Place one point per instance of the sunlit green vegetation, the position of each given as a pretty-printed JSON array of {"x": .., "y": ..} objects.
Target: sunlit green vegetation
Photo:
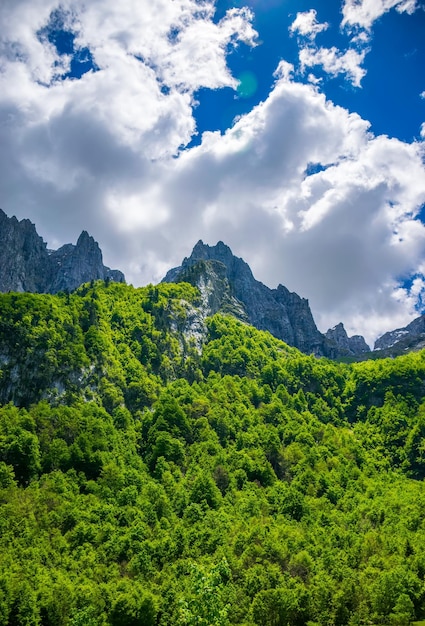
[{"x": 144, "y": 481}]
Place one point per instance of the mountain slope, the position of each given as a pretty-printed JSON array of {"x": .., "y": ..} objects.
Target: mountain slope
[
  {"x": 150, "y": 478},
  {"x": 285, "y": 315},
  {"x": 226, "y": 284}
]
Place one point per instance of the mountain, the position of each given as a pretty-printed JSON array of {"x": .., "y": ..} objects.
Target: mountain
[
  {"x": 402, "y": 340},
  {"x": 228, "y": 285},
  {"x": 27, "y": 266},
  {"x": 348, "y": 346}
]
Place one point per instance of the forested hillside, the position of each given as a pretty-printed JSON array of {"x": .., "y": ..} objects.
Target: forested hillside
[{"x": 161, "y": 469}]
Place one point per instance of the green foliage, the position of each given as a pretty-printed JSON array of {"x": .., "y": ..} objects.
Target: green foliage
[
  {"x": 151, "y": 476},
  {"x": 205, "y": 593},
  {"x": 132, "y": 606}
]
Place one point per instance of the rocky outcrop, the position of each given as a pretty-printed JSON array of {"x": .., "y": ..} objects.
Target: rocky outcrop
[
  {"x": 402, "y": 340},
  {"x": 358, "y": 345},
  {"x": 24, "y": 260},
  {"x": 211, "y": 279},
  {"x": 74, "y": 265},
  {"x": 347, "y": 346},
  {"x": 306, "y": 336},
  {"x": 27, "y": 265},
  {"x": 284, "y": 314}
]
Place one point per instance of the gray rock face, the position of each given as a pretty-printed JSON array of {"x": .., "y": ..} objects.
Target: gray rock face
[
  {"x": 284, "y": 314},
  {"x": 211, "y": 279},
  {"x": 306, "y": 336},
  {"x": 358, "y": 344},
  {"x": 349, "y": 346},
  {"x": 26, "y": 264},
  {"x": 411, "y": 337},
  {"x": 24, "y": 260},
  {"x": 74, "y": 265}
]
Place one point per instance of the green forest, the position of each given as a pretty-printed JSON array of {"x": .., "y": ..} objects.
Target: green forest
[{"x": 157, "y": 469}]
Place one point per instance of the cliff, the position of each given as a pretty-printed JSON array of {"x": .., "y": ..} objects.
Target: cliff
[{"x": 27, "y": 265}]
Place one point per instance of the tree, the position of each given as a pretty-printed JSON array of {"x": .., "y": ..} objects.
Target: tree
[
  {"x": 133, "y": 606},
  {"x": 204, "y": 604},
  {"x": 275, "y": 607},
  {"x": 403, "y": 611}
]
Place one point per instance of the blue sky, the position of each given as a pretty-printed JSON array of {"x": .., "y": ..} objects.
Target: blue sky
[
  {"x": 389, "y": 94},
  {"x": 293, "y": 131}
]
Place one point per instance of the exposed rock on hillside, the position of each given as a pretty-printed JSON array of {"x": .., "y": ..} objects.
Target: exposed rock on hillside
[
  {"x": 74, "y": 265},
  {"x": 24, "y": 260}
]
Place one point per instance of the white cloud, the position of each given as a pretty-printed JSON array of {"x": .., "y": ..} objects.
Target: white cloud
[
  {"x": 314, "y": 80},
  {"x": 67, "y": 136},
  {"x": 100, "y": 153},
  {"x": 137, "y": 57},
  {"x": 422, "y": 131},
  {"x": 340, "y": 236},
  {"x": 363, "y": 13},
  {"x": 335, "y": 62},
  {"x": 422, "y": 95},
  {"x": 284, "y": 71},
  {"x": 306, "y": 25}
]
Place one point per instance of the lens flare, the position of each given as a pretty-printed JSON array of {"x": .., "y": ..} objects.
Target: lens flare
[{"x": 248, "y": 84}]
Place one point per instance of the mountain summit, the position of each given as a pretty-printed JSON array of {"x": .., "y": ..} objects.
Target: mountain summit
[
  {"x": 227, "y": 284},
  {"x": 27, "y": 265}
]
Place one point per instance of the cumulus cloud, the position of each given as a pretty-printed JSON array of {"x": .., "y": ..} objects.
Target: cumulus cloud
[
  {"x": 331, "y": 60},
  {"x": 299, "y": 187},
  {"x": 314, "y": 80},
  {"x": 340, "y": 236},
  {"x": 335, "y": 62},
  {"x": 363, "y": 13},
  {"x": 102, "y": 132},
  {"x": 306, "y": 24}
]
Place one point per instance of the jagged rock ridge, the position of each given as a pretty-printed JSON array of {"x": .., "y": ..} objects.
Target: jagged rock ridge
[
  {"x": 349, "y": 346},
  {"x": 226, "y": 283},
  {"x": 27, "y": 265},
  {"x": 411, "y": 337},
  {"x": 285, "y": 315}
]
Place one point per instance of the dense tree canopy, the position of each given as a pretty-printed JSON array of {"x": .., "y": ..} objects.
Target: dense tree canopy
[{"x": 156, "y": 470}]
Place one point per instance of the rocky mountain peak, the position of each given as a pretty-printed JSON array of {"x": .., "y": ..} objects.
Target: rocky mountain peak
[
  {"x": 27, "y": 265},
  {"x": 349, "y": 346},
  {"x": 202, "y": 250},
  {"x": 86, "y": 241},
  {"x": 402, "y": 340},
  {"x": 284, "y": 314},
  {"x": 236, "y": 268}
]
